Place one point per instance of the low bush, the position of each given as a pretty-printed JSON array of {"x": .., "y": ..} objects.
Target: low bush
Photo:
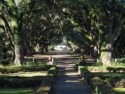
[
  {"x": 33, "y": 63},
  {"x": 80, "y": 69},
  {"x": 24, "y": 68},
  {"x": 45, "y": 88},
  {"x": 40, "y": 82},
  {"x": 105, "y": 80},
  {"x": 115, "y": 69},
  {"x": 120, "y": 83},
  {"x": 99, "y": 87},
  {"x": 21, "y": 82},
  {"x": 84, "y": 63},
  {"x": 5, "y": 62},
  {"x": 120, "y": 60},
  {"x": 52, "y": 71},
  {"x": 102, "y": 78},
  {"x": 118, "y": 64}
]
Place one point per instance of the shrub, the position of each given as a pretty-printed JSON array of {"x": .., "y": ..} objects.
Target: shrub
[
  {"x": 24, "y": 68},
  {"x": 36, "y": 68},
  {"x": 29, "y": 63},
  {"x": 122, "y": 60},
  {"x": 98, "y": 64},
  {"x": 42, "y": 84},
  {"x": 118, "y": 63},
  {"x": 116, "y": 69},
  {"x": 84, "y": 63},
  {"x": 102, "y": 83},
  {"x": 120, "y": 84},
  {"x": 99, "y": 86},
  {"x": 5, "y": 62},
  {"x": 20, "y": 82},
  {"x": 52, "y": 71}
]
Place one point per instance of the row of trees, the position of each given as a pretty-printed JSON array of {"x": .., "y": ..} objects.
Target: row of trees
[
  {"x": 27, "y": 25},
  {"x": 97, "y": 26}
]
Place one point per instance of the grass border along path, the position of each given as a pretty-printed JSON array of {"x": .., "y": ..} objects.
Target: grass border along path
[
  {"x": 16, "y": 91},
  {"x": 28, "y": 85}
]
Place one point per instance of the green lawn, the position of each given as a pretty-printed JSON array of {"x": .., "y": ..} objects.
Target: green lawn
[
  {"x": 118, "y": 90},
  {"x": 16, "y": 91},
  {"x": 26, "y": 74}
]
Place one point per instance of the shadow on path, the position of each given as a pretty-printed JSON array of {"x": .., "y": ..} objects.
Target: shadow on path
[{"x": 68, "y": 80}]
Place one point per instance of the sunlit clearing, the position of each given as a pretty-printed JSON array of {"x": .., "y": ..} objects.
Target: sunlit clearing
[{"x": 26, "y": 74}]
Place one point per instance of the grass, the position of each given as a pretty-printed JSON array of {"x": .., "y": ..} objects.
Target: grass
[
  {"x": 16, "y": 91},
  {"x": 118, "y": 90},
  {"x": 26, "y": 74}
]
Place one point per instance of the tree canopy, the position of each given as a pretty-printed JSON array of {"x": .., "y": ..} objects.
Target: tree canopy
[{"x": 94, "y": 26}]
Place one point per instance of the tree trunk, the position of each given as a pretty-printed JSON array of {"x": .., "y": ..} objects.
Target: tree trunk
[
  {"x": 18, "y": 57},
  {"x": 46, "y": 48},
  {"x": 37, "y": 48},
  {"x": 18, "y": 46},
  {"x": 96, "y": 51},
  {"x": 42, "y": 49},
  {"x": 106, "y": 54},
  {"x": 5, "y": 53}
]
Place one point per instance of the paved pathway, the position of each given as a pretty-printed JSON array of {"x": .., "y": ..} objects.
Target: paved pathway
[{"x": 68, "y": 80}]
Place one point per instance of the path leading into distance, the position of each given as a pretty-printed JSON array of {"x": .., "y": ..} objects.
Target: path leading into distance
[{"x": 68, "y": 80}]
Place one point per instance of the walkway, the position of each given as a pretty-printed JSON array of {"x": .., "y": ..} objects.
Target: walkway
[{"x": 68, "y": 80}]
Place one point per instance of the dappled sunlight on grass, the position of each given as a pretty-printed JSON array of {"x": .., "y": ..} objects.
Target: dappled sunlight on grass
[
  {"x": 26, "y": 74},
  {"x": 16, "y": 91},
  {"x": 119, "y": 90}
]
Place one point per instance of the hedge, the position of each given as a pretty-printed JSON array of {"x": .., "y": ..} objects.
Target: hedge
[{"x": 42, "y": 83}]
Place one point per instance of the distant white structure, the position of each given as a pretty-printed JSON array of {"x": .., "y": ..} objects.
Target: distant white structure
[{"x": 62, "y": 47}]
